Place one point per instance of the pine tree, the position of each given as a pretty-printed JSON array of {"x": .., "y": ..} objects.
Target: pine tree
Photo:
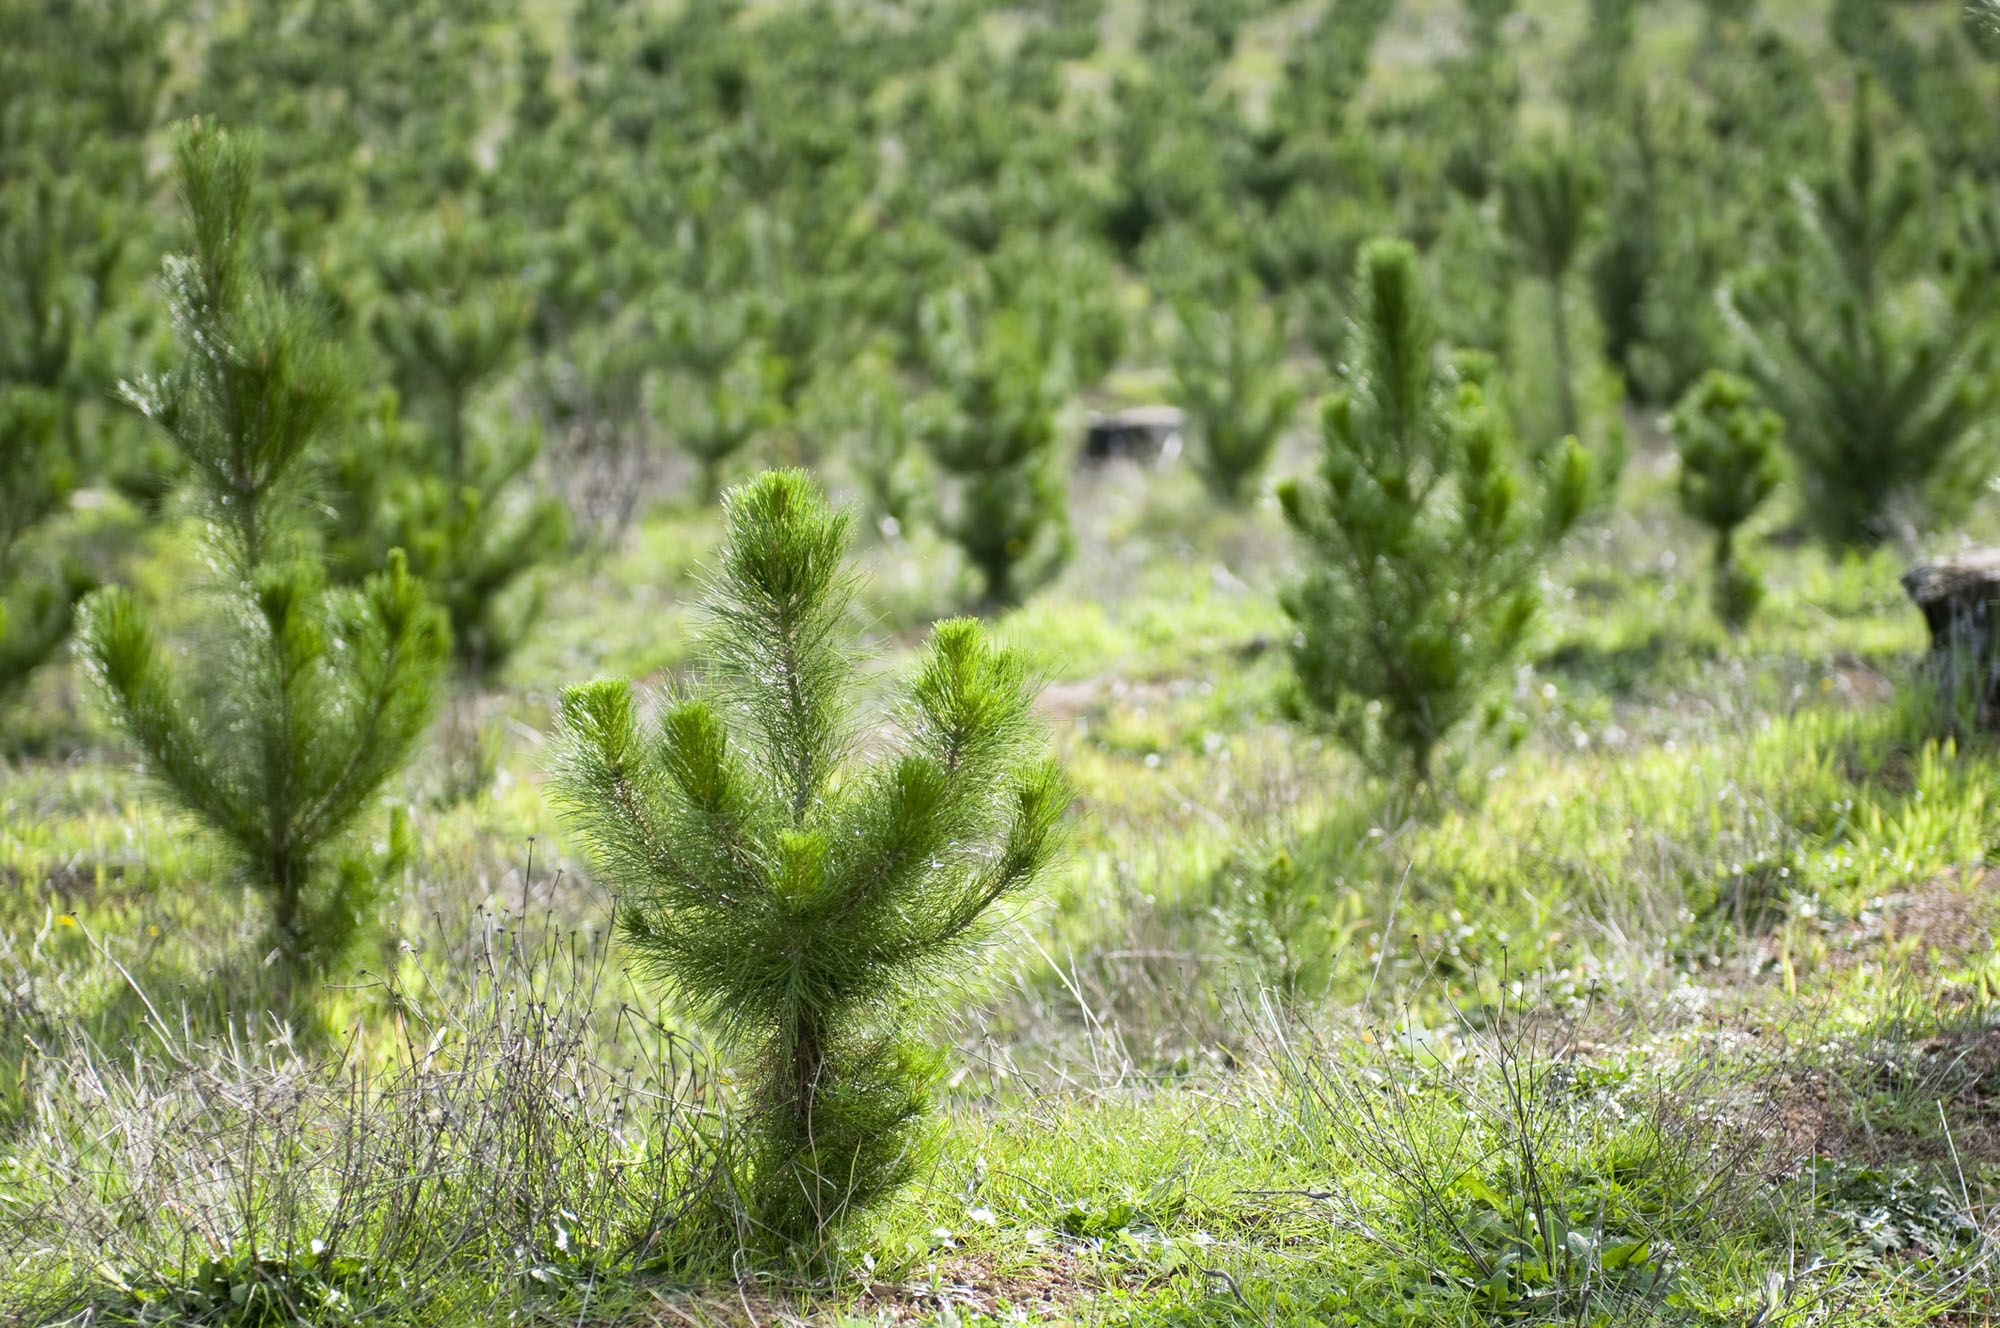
[
  {"x": 1625, "y": 272},
  {"x": 1716, "y": 13},
  {"x": 1943, "y": 100},
  {"x": 600, "y": 456},
  {"x": 803, "y": 906},
  {"x": 1325, "y": 72},
  {"x": 60, "y": 250},
  {"x": 1597, "y": 70},
  {"x": 1667, "y": 247},
  {"x": 992, "y": 430},
  {"x": 1070, "y": 291},
  {"x": 1729, "y": 466},
  {"x": 1548, "y": 193},
  {"x": 721, "y": 385},
  {"x": 713, "y": 419},
  {"x": 867, "y": 412},
  {"x": 1479, "y": 95},
  {"x": 444, "y": 475},
  {"x": 37, "y": 471},
  {"x": 1423, "y": 530},
  {"x": 1230, "y": 379},
  {"x": 1982, "y": 19},
  {"x": 1881, "y": 380},
  {"x": 318, "y": 696}
]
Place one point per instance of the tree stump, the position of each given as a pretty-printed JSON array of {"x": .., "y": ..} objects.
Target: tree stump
[
  {"x": 1960, "y": 600},
  {"x": 1143, "y": 434}
]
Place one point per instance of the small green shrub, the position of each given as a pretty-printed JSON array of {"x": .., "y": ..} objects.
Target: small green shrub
[
  {"x": 250, "y": 1291},
  {"x": 311, "y": 699},
  {"x": 1883, "y": 1217},
  {"x": 1292, "y": 914},
  {"x": 1504, "y": 1178},
  {"x": 1423, "y": 531},
  {"x": 1729, "y": 466},
  {"x": 803, "y": 906},
  {"x": 1878, "y": 370},
  {"x": 1230, "y": 378}
]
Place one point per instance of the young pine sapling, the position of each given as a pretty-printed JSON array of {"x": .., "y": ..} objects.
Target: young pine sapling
[
  {"x": 1424, "y": 532},
  {"x": 37, "y": 471},
  {"x": 59, "y": 248},
  {"x": 1548, "y": 195},
  {"x": 804, "y": 905},
  {"x": 314, "y": 698},
  {"x": 1729, "y": 466},
  {"x": 992, "y": 430},
  {"x": 720, "y": 388},
  {"x": 1878, "y": 372},
  {"x": 873, "y": 435},
  {"x": 1230, "y": 378},
  {"x": 444, "y": 476}
]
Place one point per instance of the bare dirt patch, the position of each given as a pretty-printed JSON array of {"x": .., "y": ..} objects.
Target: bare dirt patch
[{"x": 1888, "y": 1101}]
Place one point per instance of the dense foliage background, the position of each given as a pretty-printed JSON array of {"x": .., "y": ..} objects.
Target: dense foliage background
[{"x": 894, "y": 242}]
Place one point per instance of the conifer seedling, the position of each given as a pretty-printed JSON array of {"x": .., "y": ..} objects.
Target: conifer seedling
[
  {"x": 1230, "y": 378},
  {"x": 992, "y": 430},
  {"x": 720, "y": 390},
  {"x": 1880, "y": 373},
  {"x": 58, "y": 250},
  {"x": 1982, "y": 18},
  {"x": 1598, "y": 69},
  {"x": 1548, "y": 194},
  {"x": 714, "y": 419},
  {"x": 803, "y": 904},
  {"x": 443, "y": 473},
  {"x": 309, "y": 699},
  {"x": 1729, "y": 466},
  {"x": 37, "y": 471},
  {"x": 1424, "y": 533}
]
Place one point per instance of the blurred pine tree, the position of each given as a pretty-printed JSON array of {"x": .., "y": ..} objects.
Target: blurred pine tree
[
  {"x": 992, "y": 429},
  {"x": 1548, "y": 199},
  {"x": 444, "y": 475},
  {"x": 1230, "y": 379},
  {"x": 1874, "y": 347},
  {"x": 1729, "y": 466}
]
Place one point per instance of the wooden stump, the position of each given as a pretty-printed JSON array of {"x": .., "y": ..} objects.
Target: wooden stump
[
  {"x": 1143, "y": 434},
  {"x": 1960, "y": 600}
]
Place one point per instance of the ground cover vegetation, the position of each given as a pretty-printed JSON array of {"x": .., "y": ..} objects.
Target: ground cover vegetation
[{"x": 580, "y": 742}]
